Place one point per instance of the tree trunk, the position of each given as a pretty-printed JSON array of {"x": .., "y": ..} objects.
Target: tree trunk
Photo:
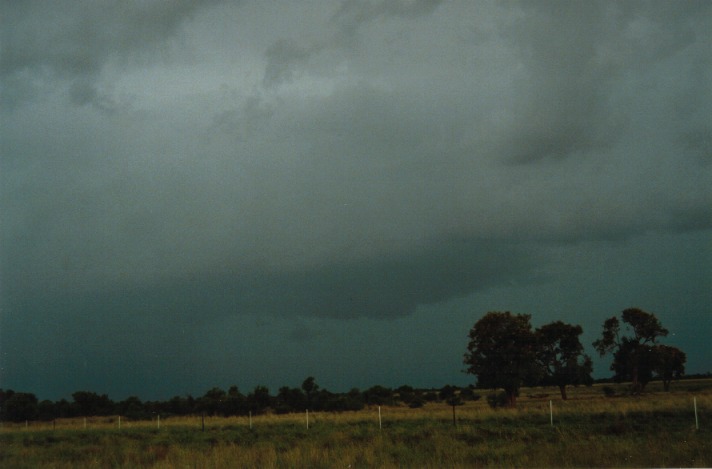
[
  {"x": 562, "y": 388},
  {"x": 511, "y": 398},
  {"x": 634, "y": 381}
]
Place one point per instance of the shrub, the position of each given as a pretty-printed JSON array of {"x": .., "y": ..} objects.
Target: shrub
[
  {"x": 498, "y": 399},
  {"x": 416, "y": 403},
  {"x": 469, "y": 394}
]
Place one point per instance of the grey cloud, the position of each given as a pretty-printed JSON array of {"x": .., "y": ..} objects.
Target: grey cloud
[
  {"x": 286, "y": 56},
  {"x": 398, "y": 160},
  {"x": 698, "y": 141},
  {"x": 74, "y": 40},
  {"x": 386, "y": 287},
  {"x": 303, "y": 332},
  {"x": 354, "y": 13},
  {"x": 358, "y": 174},
  {"x": 574, "y": 54},
  {"x": 282, "y": 59},
  {"x": 243, "y": 122}
]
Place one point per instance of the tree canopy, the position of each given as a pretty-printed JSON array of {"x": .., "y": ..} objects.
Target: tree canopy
[
  {"x": 502, "y": 352},
  {"x": 561, "y": 356},
  {"x": 637, "y": 355},
  {"x": 669, "y": 364}
]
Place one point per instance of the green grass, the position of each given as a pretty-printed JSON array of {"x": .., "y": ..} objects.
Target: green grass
[{"x": 654, "y": 430}]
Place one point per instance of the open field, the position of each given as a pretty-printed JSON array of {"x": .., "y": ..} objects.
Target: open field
[{"x": 657, "y": 429}]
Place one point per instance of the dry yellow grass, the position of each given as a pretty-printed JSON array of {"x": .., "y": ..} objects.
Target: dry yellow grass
[{"x": 656, "y": 429}]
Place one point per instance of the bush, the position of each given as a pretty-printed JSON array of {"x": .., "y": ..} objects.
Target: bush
[
  {"x": 498, "y": 399},
  {"x": 431, "y": 396},
  {"x": 469, "y": 394},
  {"x": 416, "y": 403},
  {"x": 609, "y": 391}
]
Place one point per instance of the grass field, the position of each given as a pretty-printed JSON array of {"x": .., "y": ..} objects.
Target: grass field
[{"x": 654, "y": 430}]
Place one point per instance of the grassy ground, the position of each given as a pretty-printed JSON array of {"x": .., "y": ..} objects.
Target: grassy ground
[{"x": 654, "y": 430}]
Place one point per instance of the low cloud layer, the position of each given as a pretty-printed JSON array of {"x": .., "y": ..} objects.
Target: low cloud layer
[{"x": 200, "y": 161}]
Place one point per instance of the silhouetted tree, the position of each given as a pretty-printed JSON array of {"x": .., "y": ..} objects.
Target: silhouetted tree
[
  {"x": 378, "y": 395},
  {"x": 310, "y": 389},
  {"x": 354, "y": 400},
  {"x": 560, "y": 354},
  {"x": 290, "y": 400},
  {"x": 406, "y": 394},
  {"x": 235, "y": 402},
  {"x": 259, "y": 399},
  {"x": 502, "y": 353},
  {"x": 454, "y": 401},
  {"x": 669, "y": 364},
  {"x": 88, "y": 403},
  {"x": 447, "y": 392},
  {"x": 634, "y": 356},
  {"x": 17, "y": 406},
  {"x": 63, "y": 409},
  {"x": 133, "y": 408},
  {"x": 46, "y": 410},
  {"x": 469, "y": 393},
  {"x": 213, "y": 402},
  {"x": 178, "y": 405}
]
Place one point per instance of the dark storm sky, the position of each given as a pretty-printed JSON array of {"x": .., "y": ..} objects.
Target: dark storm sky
[{"x": 198, "y": 194}]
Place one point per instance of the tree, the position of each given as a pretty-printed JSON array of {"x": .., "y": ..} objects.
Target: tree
[
  {"x": 354, "y": 400},
  {"x": 133, "y": 408},
  {"x": 235, "y": 402},
  {"x": 560, "y": 354},
  {"x": 213, "y": 402},
  {"x": 452, "y": 399},
  {"x": 290, "y": 400},
  {"x": 46, "y": 410},
  {"x": 502, "y": 353},
  {"x": 406, "y": 394},
  {"x": 259, "y": 399},
  {"x": 447, "y": 392},
  {"x": 378, "y": 395},
  {"x": 669, "y": 364},
  {"x": 17, "y": 406},
  {"x": 634, "y": 356},
  {"x": 310, "y": 389},
  {"x": 89, "y": 403}
]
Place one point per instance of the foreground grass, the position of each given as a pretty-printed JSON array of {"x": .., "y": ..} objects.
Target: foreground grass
[{"x": 656, "y": 430}]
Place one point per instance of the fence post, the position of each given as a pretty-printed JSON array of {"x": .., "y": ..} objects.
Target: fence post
[
  {"x": 379, "y": 418},
  {"x": 551, "y": 413},
  {"x": 697, "y": 422}
]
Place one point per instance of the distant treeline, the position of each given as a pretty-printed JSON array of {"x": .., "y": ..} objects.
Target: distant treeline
[
  {"x": 612, "y": 380},
  {"x": 21, "y": 406}
]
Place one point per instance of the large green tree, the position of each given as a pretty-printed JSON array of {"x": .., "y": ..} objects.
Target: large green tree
[
  {"x": 502, "y": 353},
  {"x": 635, "y": 349},
  {"x": 561, "y": 356}
]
